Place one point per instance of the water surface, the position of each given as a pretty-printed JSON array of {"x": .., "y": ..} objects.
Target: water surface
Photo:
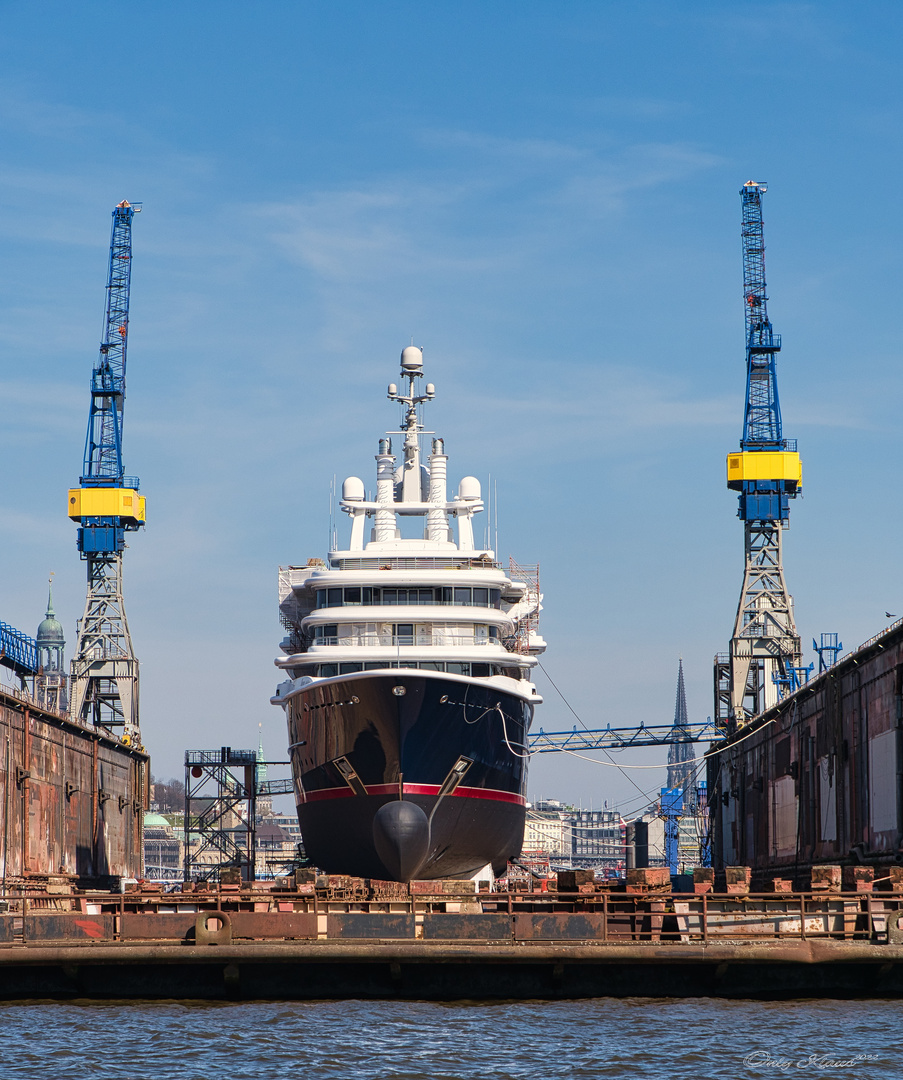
[{"x": 357, "y": 1040}]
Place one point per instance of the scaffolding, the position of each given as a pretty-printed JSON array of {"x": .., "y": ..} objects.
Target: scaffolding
[
  {"x": 527, "y": 626},
  {"x": 221, "y": 792}
]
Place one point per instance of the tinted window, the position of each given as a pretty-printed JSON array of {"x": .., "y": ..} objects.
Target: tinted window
[
  {"x": 344, "y": 669},
  {"x": 479, "y": 669},
  {"x": 334, "y": 597},
  {"x": 481, "y": 597},
  {"x": 353, "y": 596},
  {"x": 495, "y": 596}
]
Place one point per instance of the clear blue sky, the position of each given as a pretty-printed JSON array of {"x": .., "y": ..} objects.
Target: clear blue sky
[{"x": 543, "y": 195}]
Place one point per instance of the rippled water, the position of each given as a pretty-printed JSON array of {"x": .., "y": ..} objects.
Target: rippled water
[{"x": 354, "y": 1040}]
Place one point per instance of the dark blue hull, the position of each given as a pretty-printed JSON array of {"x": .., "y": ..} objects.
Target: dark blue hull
[{"x": 454, "y": 748}]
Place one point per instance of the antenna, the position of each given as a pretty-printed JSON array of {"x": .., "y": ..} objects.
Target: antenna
[
  {"x": 331, "y": 539},
  {"x": 495, "y": 504},
  {"x": 487, "y": 529}
]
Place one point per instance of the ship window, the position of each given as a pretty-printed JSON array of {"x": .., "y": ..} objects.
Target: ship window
[
  {"x": 479, "y": 669},
  {"x": 481, "y": 597},
  {"x": 374, "y": 665},
  {"x": 462, "y": 596},
  {"x": 407, "y": 596},
  {"x": 428, "y": 665},
  {"x": 447, "y": 595},
  {"x": 345, "y": 669},
  {"x": 495, "y": 598},
  {"x": 327, "y": 670},
  {"x": 333, "y": 597},
  {"x": 458, "y": 669},
  {"x": 353, "y": 596},
  {"x": 494, "y": 633},
  {"x": 403, "y": 634}
]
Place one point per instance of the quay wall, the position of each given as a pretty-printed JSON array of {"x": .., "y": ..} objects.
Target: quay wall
[
  {"x": 72, "y": 798},
  {"x": 817, "y": 778},
  {"x": 246, "y": 944}
]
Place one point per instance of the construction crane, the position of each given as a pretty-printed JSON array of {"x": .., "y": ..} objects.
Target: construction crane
[
  {"x": 104, "y": 670},
  {"x": 765, "y": 653}
]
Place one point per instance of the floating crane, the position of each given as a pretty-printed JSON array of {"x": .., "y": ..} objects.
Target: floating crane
[
  {"x": 765, "y": 653},
  {"x": 104, "y": 670}
]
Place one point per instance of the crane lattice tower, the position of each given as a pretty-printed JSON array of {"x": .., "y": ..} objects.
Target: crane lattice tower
[
  {"x": 104, "y": 670},
  {"x": 765, "y": 653}
]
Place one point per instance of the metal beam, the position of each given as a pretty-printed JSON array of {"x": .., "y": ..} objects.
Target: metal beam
[{"x": 619, "y": 738}]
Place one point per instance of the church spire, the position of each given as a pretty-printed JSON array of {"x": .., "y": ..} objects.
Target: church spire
[
  {"x": 51, "y": 684},
  {"x": 681, "y": 768},
  {"x": 264, "y": 802}
]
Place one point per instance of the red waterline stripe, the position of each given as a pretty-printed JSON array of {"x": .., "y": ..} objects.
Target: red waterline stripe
[{"x": 492, "y": 794}]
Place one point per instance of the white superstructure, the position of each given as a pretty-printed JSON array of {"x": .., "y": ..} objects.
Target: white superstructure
[{"x": 434, "y": 602}]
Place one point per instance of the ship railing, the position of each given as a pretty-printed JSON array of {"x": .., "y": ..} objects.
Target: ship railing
[
  {"x": 517, "y": 917},
  {"x": 416, "y": 563},
  {"x": 407, "y": 640},
  {"x": 413, "y": 603}
]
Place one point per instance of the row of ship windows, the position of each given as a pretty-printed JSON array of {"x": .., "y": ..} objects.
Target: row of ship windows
[
  {"x": 325, "y": 671},
  {"x": 457, "y": 595},
  {"x": 405, "y": 634}
]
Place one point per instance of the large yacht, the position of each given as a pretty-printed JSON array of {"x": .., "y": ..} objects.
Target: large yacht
[{"x": 408, "y": 660}]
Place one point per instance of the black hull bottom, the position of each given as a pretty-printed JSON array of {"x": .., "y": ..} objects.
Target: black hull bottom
[
  {"x": 453, "y": 748},
  {"x": 465, "y": 835}
]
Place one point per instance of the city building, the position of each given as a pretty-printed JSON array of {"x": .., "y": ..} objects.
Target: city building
[
  {"x": 547, "y": 833},
  {"x": 163, "y": 849},
  {"x": 598, "y": 840}
]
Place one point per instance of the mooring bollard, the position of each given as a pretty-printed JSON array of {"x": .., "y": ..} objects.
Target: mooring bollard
[{"x": 222, "y": 935}]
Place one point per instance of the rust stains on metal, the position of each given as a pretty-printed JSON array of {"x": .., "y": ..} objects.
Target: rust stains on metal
[
  {"x": 816, "y": 779},
  {"x": 55, "y": 824}
]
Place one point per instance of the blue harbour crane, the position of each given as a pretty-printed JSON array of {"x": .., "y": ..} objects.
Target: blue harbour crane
[
  {"x": 106, "y": 505},
  {"x": 765, "y": 656}
]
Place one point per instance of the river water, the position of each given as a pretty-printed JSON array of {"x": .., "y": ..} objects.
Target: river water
[{"x": 705, "y": 1039}]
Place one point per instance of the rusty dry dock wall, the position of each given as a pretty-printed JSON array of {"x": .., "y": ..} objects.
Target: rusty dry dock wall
[
  {"x": 817, "y": 778},
  {"x": 71, "y": 799}
]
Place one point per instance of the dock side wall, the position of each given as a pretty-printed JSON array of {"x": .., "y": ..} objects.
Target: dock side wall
[
  {"x": 72, "y": 799},
  {"x": 817, "y": 778}
]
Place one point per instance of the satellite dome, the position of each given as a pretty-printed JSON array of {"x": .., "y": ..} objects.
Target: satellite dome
[
  {"x": 469, "y": 488},
  {"x": 412, "y": 358},
  {"x": 353, "y": 489}
]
